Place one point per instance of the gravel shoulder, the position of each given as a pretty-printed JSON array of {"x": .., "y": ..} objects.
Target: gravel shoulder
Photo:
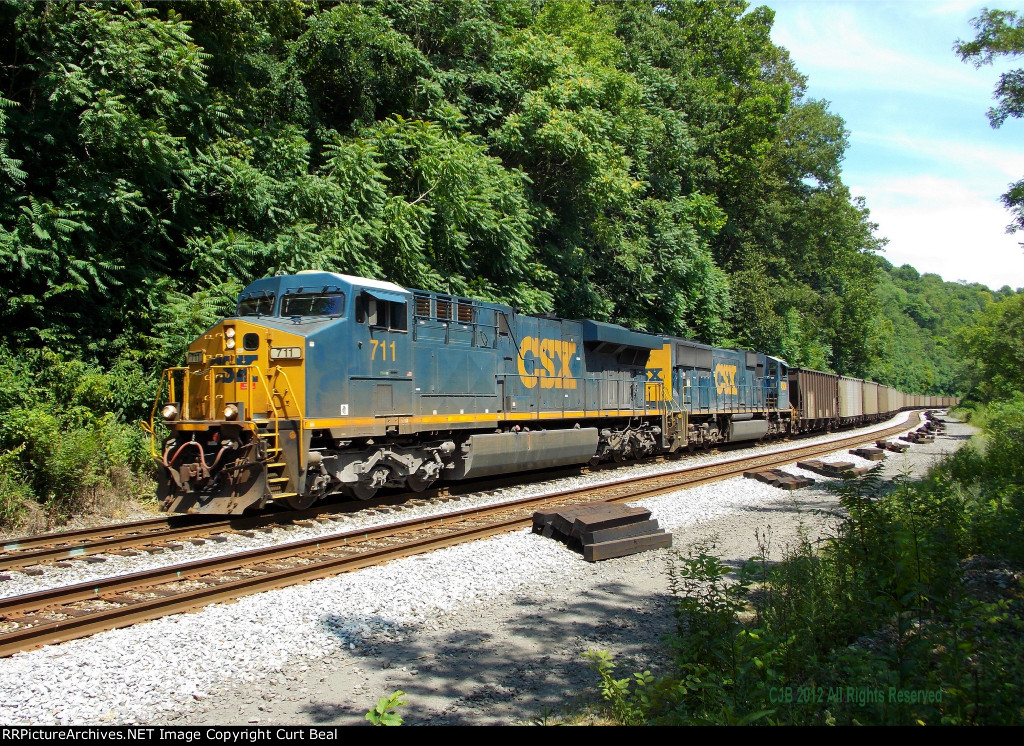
[{"x": 485, "y": 633}]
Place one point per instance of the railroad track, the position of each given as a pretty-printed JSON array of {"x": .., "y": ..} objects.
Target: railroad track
[
  {"x": 162, "y": 534},
  {"x": 168, "y": 533},
  {"x": 60, "y": 614}
]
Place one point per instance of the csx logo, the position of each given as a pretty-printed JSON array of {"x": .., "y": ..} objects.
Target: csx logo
[
  {"x": 725, "y": 378},
  {"x": 229, "y": 375},
  {"x": 546, "y": 354}
]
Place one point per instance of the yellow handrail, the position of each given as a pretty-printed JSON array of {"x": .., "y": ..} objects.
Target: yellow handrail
[
  {"x": 208, "y": 375},
  {"x": 168, "y": 375}
]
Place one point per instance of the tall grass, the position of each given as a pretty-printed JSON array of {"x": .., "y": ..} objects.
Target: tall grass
[{"x": 67, "y": 444}]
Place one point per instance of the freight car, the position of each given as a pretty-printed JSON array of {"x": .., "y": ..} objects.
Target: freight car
[{"x": 325, "y": 384}]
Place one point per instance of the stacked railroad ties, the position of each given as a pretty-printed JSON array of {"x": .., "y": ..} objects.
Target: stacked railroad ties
[
  {"x": 846, "y": 469},
  {"x": 602, "y": 531}
]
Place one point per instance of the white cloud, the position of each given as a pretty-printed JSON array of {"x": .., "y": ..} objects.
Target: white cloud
[
  {"x": 846, "y": 49},
  {"x": 992, "y": 165},
  {"x": 939, "y": 225}
]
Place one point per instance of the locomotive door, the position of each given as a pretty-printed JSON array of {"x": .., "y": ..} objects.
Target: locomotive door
[{"x": 386, "y": 384}]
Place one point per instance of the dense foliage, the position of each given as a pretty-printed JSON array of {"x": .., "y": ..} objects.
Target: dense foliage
[
  {"x": 995, "y": 345},
  {"x": 920, "y": 327},
  {"x": 657, "y": 164}
]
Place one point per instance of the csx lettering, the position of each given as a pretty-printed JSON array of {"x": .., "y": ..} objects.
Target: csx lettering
[
  {"x": 547, "y": 354},
  {"x": 654, "y": 375},
  {"x": 230, "y": 375},
  {"x": 725, "y": 378}
]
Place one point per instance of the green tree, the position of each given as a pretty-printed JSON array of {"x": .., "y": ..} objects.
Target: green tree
[{"x": 995, "y": 344}]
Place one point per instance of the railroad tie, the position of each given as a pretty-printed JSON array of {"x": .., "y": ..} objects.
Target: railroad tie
[
  {"x": 783, "y": 480},
  {"x": 871, "y": 454},
  {"x": 602, "y": 531}
]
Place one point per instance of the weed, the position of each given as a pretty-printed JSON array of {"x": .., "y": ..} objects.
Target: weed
[
  {"x": 384, "y": 712},
  {"x": 911, "y": 612}
]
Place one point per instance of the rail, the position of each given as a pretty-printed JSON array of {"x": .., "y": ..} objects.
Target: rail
[{"x": 48, "y": 616}]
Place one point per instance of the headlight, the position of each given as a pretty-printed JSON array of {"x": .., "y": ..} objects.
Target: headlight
[
  {"x": 230, "y": 412},
  {"x": 230, "y": 344},
  {"x": 229, "y": 332},
  {"x": 169, "y": 412}
]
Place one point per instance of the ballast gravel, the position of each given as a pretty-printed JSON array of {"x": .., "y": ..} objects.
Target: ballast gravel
[{"x": 325, "y": 651}]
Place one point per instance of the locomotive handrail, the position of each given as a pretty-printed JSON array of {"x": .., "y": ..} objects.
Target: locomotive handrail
[
  {"x": 185, "y": 401},
  {"x": 705, "y": 397},
  {"x": 168, "y": 375},
  {"x": 589, "y": 390},
  {"x": 279, "y": 370}
]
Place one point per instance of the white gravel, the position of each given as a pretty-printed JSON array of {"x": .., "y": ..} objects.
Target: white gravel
[{"x": 147, "y": 672}]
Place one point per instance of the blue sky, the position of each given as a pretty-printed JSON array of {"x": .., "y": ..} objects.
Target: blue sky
[{"x": 921, "y": 151}]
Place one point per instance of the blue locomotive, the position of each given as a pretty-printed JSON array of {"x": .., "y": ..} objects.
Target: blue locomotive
[{"x": 324, "y": 383}]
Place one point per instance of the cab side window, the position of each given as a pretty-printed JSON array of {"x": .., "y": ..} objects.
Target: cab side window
[
  {"x": 398, "y": 317},
  {"x": 382, "y": 314}
]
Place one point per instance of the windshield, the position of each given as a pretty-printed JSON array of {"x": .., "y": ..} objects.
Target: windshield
[
  {"x": 256, "y": 305},
  {"x": 313, "y": 304}
]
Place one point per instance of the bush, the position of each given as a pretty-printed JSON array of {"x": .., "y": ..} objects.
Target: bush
[
  {"x": 64, "y": 428},
  {"x": 15, "y": 494}
]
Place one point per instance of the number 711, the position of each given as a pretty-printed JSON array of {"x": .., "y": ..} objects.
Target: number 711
[{"x": 383, "y": 349}]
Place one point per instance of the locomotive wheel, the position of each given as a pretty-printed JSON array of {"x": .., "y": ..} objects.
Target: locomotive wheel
[
  {"x": 363, "y": 491},
  {"x": 418, "y": 483},
  {"x": 300, "y": 502},
  {"x": 366, "y": 489}
]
